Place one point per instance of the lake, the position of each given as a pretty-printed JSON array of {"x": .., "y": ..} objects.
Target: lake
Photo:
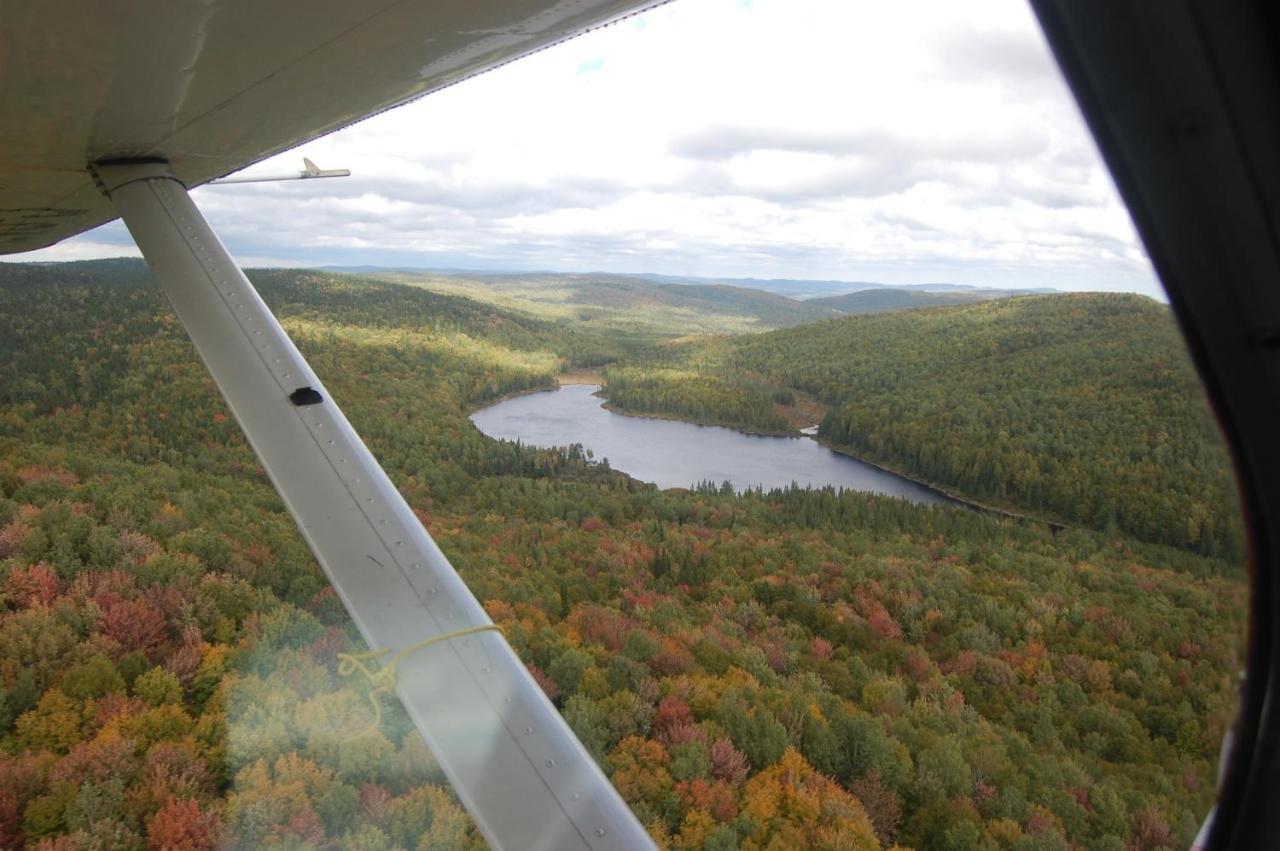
[{"x": 675, "y": 454}]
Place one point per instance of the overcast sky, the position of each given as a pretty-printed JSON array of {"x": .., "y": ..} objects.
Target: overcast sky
[{"x": 906, "y": 142}]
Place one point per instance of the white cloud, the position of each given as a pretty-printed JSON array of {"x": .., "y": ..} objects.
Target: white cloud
[
  {"x": 82, "y": 248},
  {"x": 905, "y": 141}
]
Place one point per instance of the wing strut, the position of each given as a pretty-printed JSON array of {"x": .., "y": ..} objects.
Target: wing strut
[{"x": 512, "y": 759}]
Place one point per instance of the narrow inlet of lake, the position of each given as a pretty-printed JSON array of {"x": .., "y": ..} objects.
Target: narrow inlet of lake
[{"x": 675, "y": 454}]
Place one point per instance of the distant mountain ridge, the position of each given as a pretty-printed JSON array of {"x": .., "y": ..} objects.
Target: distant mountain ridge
[
  {"x": 815, "y": 290},
  {"x": 883, "y": 300},
  {"x": 623, "y": 301},
  {"x": 800, "y": 289},
  {"x": 772, "y": 303}
]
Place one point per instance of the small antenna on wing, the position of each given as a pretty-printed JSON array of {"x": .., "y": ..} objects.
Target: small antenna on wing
[{"x": 309, "y": 170}]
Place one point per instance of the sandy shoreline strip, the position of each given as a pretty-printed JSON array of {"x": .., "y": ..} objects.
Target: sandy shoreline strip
[{"x": 580, "y": 376}]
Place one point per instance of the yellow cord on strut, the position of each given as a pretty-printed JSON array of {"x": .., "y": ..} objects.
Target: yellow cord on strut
[{"x": 383, "y": 680}]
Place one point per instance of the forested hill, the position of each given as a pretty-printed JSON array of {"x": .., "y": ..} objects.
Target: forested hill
[
  {"x": 120, "y": 296},
  {"x": 888, "y": 298},
  {"x": 795, "y": 669},
  {"x": 768, "y": 308},
  {"x": 1082, "y": 407}
]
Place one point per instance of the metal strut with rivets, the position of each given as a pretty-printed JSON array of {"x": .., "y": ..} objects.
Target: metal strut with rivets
[{"x": 518, "y": 768}]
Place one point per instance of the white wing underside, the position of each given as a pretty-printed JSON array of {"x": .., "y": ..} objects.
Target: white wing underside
[{"x": 212, "y": 86}]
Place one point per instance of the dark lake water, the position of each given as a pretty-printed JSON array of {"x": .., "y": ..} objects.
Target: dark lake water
[{"x": 676, "y": 454}]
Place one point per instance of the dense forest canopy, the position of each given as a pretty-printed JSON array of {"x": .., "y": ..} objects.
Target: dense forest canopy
[
  {"x": 1079, "y": 407},
  {"x": 766, "y": 670}
]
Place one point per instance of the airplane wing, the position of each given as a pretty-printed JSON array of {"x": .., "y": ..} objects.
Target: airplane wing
[{"x": 212, "y": 87}]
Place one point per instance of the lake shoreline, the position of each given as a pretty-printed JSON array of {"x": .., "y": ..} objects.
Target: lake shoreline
[
  {"x": 967, "y": 502},
  {"x": 595, "y": 378},
  {"x": 474, "y": 407},
  {"x": 581, "y": 379},
  {"x": 675, "y": 418},
  {"x": 778, "y": 471}
]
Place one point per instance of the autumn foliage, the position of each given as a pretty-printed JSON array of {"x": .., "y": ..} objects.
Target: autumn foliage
[{"x": 764, "y": 670}]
